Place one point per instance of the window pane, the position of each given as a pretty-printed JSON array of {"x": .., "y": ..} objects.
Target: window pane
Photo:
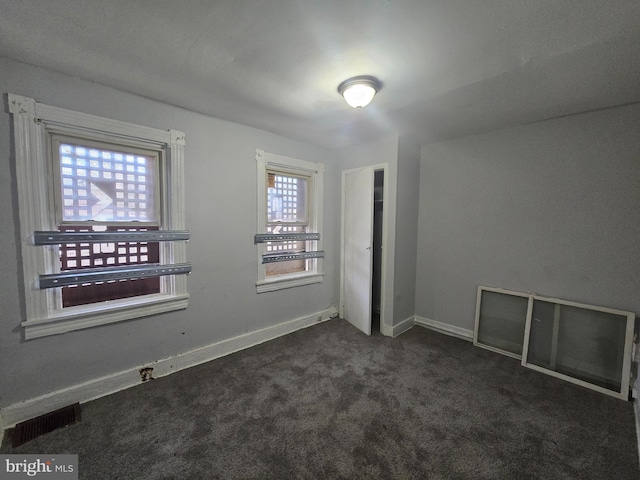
[
  {"x": 578, "y": 342},
  {"x": 502, "y": 321},
  {"x": 99, "y": 184},
  {"x": 286, "y": 198},
  {"x": 283, "y": 268},
  {"x": 290, "y": 246},
  {"x": 94, "y": 255},
  {"x": 293, "y": 246}
]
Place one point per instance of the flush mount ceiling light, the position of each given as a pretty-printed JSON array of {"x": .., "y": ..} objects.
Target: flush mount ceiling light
[{"x": 359, "y": 91}]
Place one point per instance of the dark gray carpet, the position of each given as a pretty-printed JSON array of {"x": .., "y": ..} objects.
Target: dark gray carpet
[{"x": 329, "y": 402}]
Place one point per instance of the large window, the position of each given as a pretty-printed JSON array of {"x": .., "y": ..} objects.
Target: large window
[
  {"x": 289, "y": 202},
  {"x": 85, "y": 175},
  {"x": 100, "y": 187}
]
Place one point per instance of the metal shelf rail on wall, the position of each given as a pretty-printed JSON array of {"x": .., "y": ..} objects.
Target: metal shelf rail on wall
[
  {"x": 288, "y": 237},
  {"x": 120, "y": 272}
]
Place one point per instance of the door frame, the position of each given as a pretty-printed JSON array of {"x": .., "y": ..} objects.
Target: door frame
[{"x": 385, "y": 329}]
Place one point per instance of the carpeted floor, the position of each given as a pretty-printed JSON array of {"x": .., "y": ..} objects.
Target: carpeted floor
[{"x": 328, "y": 402}]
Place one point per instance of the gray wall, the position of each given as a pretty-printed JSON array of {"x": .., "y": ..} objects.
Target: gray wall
[
  {"x": 406, "y": 229},
  {"x": 401, "y": 206},
  {"x": 221, "y": 205},
  {"x": 552, "y": 208}
]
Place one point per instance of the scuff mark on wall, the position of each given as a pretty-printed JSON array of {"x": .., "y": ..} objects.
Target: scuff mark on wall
[{"x": 146, "y": 374}]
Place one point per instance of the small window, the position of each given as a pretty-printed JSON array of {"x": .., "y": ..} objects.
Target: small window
[
  {"x": 289, "y": 202},
  {"x": 81, "y": 173}
]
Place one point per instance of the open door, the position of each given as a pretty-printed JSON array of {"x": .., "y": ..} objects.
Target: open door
[{"x": 357, "y": 238}]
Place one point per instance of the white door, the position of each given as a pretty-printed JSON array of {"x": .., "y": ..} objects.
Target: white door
[{"x": 357, "y": 239}]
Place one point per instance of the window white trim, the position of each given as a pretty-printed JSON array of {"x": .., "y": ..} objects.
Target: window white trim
[
  {"x": 33, "y": 124},
  {"x": 280, "y": 283},
  {"x": 314, "y": 170}
]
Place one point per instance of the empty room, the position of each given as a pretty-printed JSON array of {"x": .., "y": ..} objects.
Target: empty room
[{"x": 320, "y": 239}]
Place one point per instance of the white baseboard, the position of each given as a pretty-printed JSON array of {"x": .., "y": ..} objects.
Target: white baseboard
[
  {"x": 386, "y": 330},
  {"x": 403, "y": 326},
  {"x": 445, "y": 328},
  {"x": 116, "y": 382}
]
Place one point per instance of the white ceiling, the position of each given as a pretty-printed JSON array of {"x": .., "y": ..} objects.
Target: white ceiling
[{"x": 448, "y": 67}]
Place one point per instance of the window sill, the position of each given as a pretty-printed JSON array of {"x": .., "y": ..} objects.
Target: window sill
[
  {"x": 91, "y": 316},
  {"x": 272, "y": 285}
]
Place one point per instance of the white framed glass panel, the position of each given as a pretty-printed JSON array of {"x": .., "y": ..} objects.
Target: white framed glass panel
[
  {"x": 583, "y": 344},
  {"x": 501, "y": 316}
]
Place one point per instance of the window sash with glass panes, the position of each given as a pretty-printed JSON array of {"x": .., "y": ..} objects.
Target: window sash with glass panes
[
  {"x": 287, "y": 212},
  {"x": 103, "y": 187}
]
